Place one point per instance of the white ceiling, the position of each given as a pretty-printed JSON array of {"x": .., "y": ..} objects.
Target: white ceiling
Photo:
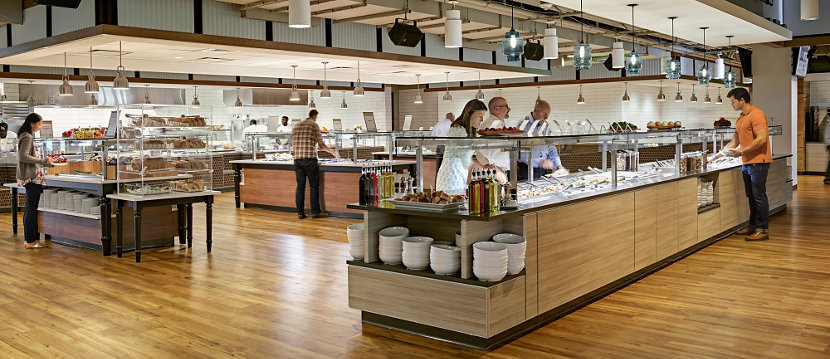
[
  {"x": 155, "y": 55},
  {"x": 722, "y": 17}
]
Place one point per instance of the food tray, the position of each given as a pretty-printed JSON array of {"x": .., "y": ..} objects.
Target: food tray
[
  {"x": 421, "y": 206},
  {"x": 138, "y": 189},
  {"x": 501, "y": 133}
]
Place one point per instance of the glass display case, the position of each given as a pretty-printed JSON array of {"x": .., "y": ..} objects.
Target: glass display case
[
  {"x": 163, "y": 154},
  {"x": 348, "y": 144}
]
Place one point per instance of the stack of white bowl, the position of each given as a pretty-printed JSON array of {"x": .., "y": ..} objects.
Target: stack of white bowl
[
  {"x": 516, "y": 251},
  {"x": 355, "y": 234},
  {"x": 78, "y": 198},
  {"x": 89, "y": 204},
  {"x": 390, "y": 244},
  {"x": 705, "y": 193},
  {"x": 444, "y": 259},
  {"x": 415, "y": 253},
  {"x": 69, "y": 200},
  {"x": 47, "y": 198},
  {"x": 490, "y": 261}
]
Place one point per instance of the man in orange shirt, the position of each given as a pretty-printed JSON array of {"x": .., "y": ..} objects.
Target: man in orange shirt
[{"x": 750, "y": 142}]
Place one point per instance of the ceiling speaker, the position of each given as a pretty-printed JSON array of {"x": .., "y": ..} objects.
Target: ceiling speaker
[
  {"x": 534, "y": 51},
  {"x": 405, "y": 34}
]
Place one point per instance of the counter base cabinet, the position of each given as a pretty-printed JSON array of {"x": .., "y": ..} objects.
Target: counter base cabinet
[{"x": 687, "y": 213}]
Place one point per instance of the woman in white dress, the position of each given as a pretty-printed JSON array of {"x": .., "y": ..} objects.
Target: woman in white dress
[{"x": 458, "y": 162}]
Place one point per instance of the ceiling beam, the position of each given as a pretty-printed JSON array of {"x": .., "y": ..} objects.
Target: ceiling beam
[
  {"x": 370, "y": 16},
  {"x": 258, "y": 4},
  {"x": 262, "y": 14},
  {"x": 337, "y": 9}
]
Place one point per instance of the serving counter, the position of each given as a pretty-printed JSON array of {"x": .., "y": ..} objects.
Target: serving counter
[{"x": 272, "y": 184}]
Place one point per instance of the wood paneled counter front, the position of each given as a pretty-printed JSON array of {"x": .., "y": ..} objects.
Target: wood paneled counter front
[
  {"x": 577, "y": 252},
  {"x": 273, "y": 183}
]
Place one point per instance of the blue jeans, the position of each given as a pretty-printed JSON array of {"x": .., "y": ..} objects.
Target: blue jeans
[{"x": 755, "y": 184}]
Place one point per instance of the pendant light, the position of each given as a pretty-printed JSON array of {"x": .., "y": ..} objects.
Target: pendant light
[
  {"x": 664, "y": 60},
  {"x": 147, "y": 94},
  {"x": 295, "y": 94},
  {"x": 707, "y": 99},
  {"x": 809, "y": 10},
  {"x": 625, "y": 97},
  {"x": 617, "y": 55},
  {"x": 479, "y": 94},
  {"x": 238, "y": 102},
  {"x": 447, "y": 96},
  {"x": 91, "y": 85},
  {"x": 694, "y": 97},
  {"x": 538, "y": 93},
  {"x": 93, "y": 101},
  {"x": 673, "y": 64},
  {"x": 661, "y": 97},
  {"x": 66, "y": 88},
  {"x": 120, "y": 83},
  {"x": 551, "y": 43},
  {"x": 720, "y": 99},
  {"x": 418, "y": 98},
  {"x": 344, "y": 105},
  {"x": 580, "y": 100},
  {"x": 633, "y": 64},
  {"x": 311, "y": 103},
  {"x": 730, "y": 79},
  {"x": 195, "y": 103},
  {"x": 299, "y": 14},
  {"x": 678, "y": 98},
  {"x": 30, "y": 101},
  {"x": 719, "y": 67},
  {"x": 452, "y": 28},
  {"x": 582, "y": 50},
  {"x": 703, "y": 74},
  {"x": 358, "y": 88},
  {"x": 325, "y": 93},
  {"x": 512, "y": 45}
]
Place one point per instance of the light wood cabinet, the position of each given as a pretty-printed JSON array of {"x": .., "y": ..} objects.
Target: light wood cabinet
[
  {"x": 667, "y": 223},
  {"x": 645, "y": 227},
  {"x": 687, "y": 213}
]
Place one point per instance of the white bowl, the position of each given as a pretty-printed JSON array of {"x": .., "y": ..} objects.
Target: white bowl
[
  {"x": 61, "y": 200},
  {"x": 88, "y": 204},
  {"x": 508, "y": 238},
  {"x": 394, "y": 232},
  {"x": 488, "y": 275},
  {"x": 445, "y": 269},
  {"x": 355, "y": 234},
  {"x": 488, "y": 246},
  {"x": 416, "y": 252}
]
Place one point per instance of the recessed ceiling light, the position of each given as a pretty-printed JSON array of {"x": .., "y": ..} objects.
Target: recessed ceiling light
[{"x": 179, "y": 57}]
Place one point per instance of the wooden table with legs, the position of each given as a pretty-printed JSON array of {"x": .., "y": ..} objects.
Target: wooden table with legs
[{"x": 183, "y": 202}]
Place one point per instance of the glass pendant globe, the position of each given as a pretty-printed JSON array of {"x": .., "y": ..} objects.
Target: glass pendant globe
[
  {"x": 673, "y": 68},
  {"x": 704, "y": 75},
  {"x": 513, "y": 46},
  {"x": 730, "y": 80},
  {"x": 582, "y": 56},
  {"x": 633, "y": 63}
]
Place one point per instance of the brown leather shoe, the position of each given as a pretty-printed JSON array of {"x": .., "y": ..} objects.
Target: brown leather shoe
[
  {"x": 757, "y": 236},
  {"x": 320, "y": 215},
  {"x": 746, "y": 231}
]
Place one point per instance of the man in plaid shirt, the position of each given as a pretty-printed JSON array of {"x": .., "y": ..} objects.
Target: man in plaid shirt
[{"x": 305, "y": 136}]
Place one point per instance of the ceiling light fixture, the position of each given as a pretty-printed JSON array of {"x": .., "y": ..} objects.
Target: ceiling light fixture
[
  {"x": 299, "y": 14},
  {"x": 809, "y": 10},
  {"x": 295, "y": 94},
  {"x": 30, "y": 101},
  {"x": 580, "y": 100},
  {"x": 617, "y": 55},
  {"x": 195, "y": 103},
  {"x": 538, "y": 93},
  {"x": 625, "y": 97},
  {"x": 703, "y": 74},
  {"x": 582, "y": 50},
  {"x": 238, "y": 102},
  {"x": 452, "y": 28},
  {"x": 707, "y": 99},
  {"x": 512, "y": 45},
  {"x": 678, "y": 98},
  {"x": 344, "y": 105},
  {"x": 147, "y": 94},
  {"x": 325, "y": 93},
  {"x": 551, "y": 43},
  {"x": 661, "y": 97},
  {"x": 633, "y": 64},
  {"x": 418, "y": 98},
  {"x": 447, "y": 96},
  {"x": 358, "y": 88},
  {"x": 730, "y": 79},
  {"x": 719, "y": 67},
  {"x": 91, "y": 85},
  {"x": 311, "y": 103},
  {"x": 673, "y": 63},
  {"x": 66, "y": 88},
  {"x": 720, "y": 99},
  {"x": 479, "y": 94},
  {"x": 93, "y": 101},
  {"x": 120, "y": 83},
  {"x": 694, "y": 97}
]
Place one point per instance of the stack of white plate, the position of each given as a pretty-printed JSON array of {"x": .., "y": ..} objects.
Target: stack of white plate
[
  {"x": 88, "y": 204},
  {"x": 516, "y": 251},
  {"x": 60, "y": 200},
  {"x": 390, "y": 244},
  {"x": 69, "y": 200},
  {"x": 444, "y": 260},
  {"x": 47, "y": 196},
  {"x": 79, "y": 201},
  {"x": 490, "y": 261},
  {"x": 355, "y": 234},
  {"x": 416, "y": 252}
]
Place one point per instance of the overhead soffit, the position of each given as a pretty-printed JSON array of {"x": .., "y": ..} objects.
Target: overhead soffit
[{"x": 161, "y": 51}]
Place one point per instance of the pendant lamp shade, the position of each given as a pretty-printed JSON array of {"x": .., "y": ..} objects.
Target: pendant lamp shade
[
  {"x": 730, "y": 79},
  {"x": 704, "y": 74},
  {"x": 238, "y": 102},
  {"x": 91, "y": 85},
  {"x": 93, "y": 101},
  {"x": 479, "y": 94},
  {"x": 694, "y": 97},
  {"x": 719, "y": 69},
  {"x": 809, "y": 10},
  {"x": 633, "y": 63},
  {"x": 66, "y": 88},
  {"x": 707, "y": 99},
  {"x": 661, "y": 97},
  {"x": 617, "y": 55},
  {"x": 418, "y": 98},
  {"x": 358, "y": 87},
  {"x": 447, "y": 96},
  {"x": 551, "y": 44},
  {"x": 299, "y": 13},
  {"x": 720, "y": 99},
  {"x": 295, "y": 94},
  {"x": 344, "y": 105},
  {"x": 678, "y": 97},
  {"x": 673, "y": 63},
  {"x": 580, "y": 100},
  {"x": 625, "y": 97},
  {"x": 452, "y": 30},
  {"x": 195, "y": 103},
  {"x": 513, "y": 45},
  {"x": 582, "y": 51},
  {"x": 120, "y": 83},
  {"x": 325, "y": 93},
  {"x": 311, "y": 103}
]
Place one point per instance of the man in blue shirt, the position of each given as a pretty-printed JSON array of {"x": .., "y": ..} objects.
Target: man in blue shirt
[{"x": 542, "y": 158}]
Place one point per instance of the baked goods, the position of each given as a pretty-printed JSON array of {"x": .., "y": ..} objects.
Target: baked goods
[
  {"x": 149, "y": 164},
  {"x": 186, "y": 121},
  {"x": 147, "y": 121},
  {"x": 186, "y": 143},
  {"x": 187, "y": 186},
  {"x": 151, "y": 144},
  {"x": 723, "y": 123},
  {"x": 188, "y": 164},
  {"x": 434, "y": 197}
]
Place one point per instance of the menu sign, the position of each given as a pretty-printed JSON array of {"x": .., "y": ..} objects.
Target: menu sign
[
  {"x": 369, "y": 119},
  {"x": 337, "y": 124}
]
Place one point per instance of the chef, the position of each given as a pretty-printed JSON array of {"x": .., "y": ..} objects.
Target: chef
[
  {"x": 284, "y": 126},
  {"x": 8, "y": 139},
  {"x": 440, "y": 129},
  {"x": 544, "y": 157}
]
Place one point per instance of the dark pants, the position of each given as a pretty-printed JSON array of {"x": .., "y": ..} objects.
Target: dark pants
[
  {"x": 755, "y": 184},
  {"x": 33, "y": 192},
  {"x": 521, "y": 172},
  {"x": 307, "y": 168}
]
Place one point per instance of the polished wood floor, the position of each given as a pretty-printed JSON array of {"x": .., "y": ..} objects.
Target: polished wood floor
[{"x": 275, "y": 286}]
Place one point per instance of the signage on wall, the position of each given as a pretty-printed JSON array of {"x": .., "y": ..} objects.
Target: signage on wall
[
  {"x": 337, "y": 124},
  {"x": 407, "y": 122}
]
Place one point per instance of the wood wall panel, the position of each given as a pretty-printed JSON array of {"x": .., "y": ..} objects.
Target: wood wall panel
[
  {"x": 667, "y": 220},
  {"x": 583, "y": 247},
  {"x": 687, "y": 213},
  {"x": 504, "y": 305},
  {"x": 645, "y": 227},
  {"x": 268, "y": 187}
]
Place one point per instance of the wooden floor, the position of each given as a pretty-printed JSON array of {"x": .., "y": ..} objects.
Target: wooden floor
[{"x": 275, "y": 286}]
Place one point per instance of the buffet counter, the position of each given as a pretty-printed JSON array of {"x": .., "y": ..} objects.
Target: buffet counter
[
  {"x": 578, "y": 250},
  {"x": 272, "y": 184},
  {"x": 430, "y": 164}
]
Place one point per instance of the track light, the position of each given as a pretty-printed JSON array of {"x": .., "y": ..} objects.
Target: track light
[{"x": 299, "y": 13}]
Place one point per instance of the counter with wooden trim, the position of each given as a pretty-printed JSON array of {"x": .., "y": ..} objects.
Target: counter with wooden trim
[
  {"x": 577, "y": 252},
  {"x": 272, "y": 184}
]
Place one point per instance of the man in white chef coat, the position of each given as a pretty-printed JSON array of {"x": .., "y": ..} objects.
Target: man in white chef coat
[
  {"x": 285, "y": 127},
  {"x": 8, "y": 139},
  {"x": 442, "y": 127},
  {"x": 542, "y": 158}
]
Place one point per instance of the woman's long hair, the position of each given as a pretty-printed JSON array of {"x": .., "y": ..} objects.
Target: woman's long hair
[
  {"x": 466, "y": 115},
  {"x": 27, "y": 123}
]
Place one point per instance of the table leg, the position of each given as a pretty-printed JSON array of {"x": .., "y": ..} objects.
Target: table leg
[
  {"x": 189, "y": 225},
  {"x": 137, "y": 222},
  {"x": 209, "y": 222},
  {"x": 119, "y": 227},
  {"x": 14, "y": 209},
  {"x": 180, "y": 211},
  {"x": 106, "y": 224},
  {"x": 237, "y": 177}
]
